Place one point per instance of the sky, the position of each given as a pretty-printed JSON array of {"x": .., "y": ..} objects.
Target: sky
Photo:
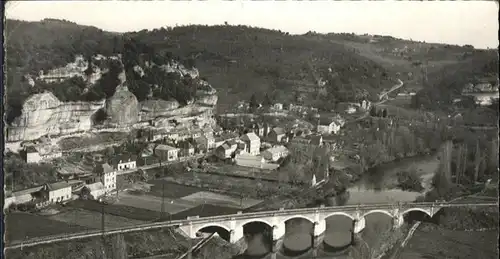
[{"x": 451, "y": 22}]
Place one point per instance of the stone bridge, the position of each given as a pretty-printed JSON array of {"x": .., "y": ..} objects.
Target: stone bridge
[{"x": 276, "y": 219}]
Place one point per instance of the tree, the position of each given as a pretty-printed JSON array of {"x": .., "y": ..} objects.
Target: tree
[
  {"x": 384, "y": 113},
  {"x": 373, "y": 111},
  {"x": 477, "y": 161},
  {"x": 267, "y": 101},
  {"x": 253, "y": 103}
]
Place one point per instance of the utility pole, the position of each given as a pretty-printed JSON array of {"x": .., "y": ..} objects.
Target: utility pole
[
  {"x": 102, "y": 220},
  {"x": 162, "y": 200}
]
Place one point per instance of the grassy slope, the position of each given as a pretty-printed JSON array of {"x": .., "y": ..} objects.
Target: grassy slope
[
  {"x": 444, "y": 243},
  {"x": 130, "y": 245}
]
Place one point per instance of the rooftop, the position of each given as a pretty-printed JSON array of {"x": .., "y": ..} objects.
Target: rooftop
[
  {"x": 279, "y": 131},
  {"x": 95, "y": 186},
  {"x": 57, "y": 186},
  {"x": 165, "y": 147},
  {"x": 250, "y": 137},
  {"x": 277, "y": 149}
]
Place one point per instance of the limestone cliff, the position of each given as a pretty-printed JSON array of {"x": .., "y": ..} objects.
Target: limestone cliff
[{"x": 43, "y": 114}]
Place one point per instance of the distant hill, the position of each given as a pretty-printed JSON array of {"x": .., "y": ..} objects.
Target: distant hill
[
  {"x": 446, "y": 84},
  {"x": 239, "y": 60}
]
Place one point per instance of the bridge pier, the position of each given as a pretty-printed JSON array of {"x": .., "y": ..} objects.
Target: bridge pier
[
  {"x": 278, "y": 234},
  {"x": 236, "y": 235},
  {"x": 318, "y": 233},
  {"x": 359, "y": 225},
  {"x": 398, "y": 221},
  {"x": 276, "y": 246}
]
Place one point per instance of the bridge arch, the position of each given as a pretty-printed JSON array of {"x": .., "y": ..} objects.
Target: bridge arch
[
  {"x": 377, "y": 211},
  {"x": 212, "y": 224},
  {"x": 287, "y": 218},
  {"x": 339, "y": 213},
  {"x": 427, "y": 212},
  {"x": 246, "y": 221}
]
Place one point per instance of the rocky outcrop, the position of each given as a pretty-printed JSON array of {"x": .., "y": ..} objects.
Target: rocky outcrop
[
  {"x": 122, "y": 108},
  {"x": 175, "y": 67},
  {"x": 43, "y": 114}
]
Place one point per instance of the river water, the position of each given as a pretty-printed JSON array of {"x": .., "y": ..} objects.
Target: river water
[{"x": 375, "y": 188}]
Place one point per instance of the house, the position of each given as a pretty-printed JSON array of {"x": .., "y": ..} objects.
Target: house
[
  {"x": 57, "y": 192},
  {"x": 277, "y": 106},
  {"x": 41, "y": 154},
  {"x": 166, "y": 152},
  {"x": 327, "y": 126},
  {"x": 248, "y": 160},
  {"x": 206, "y": 142},
  {"x": 252, "y": 143},
  {"x": 186, "y": 149},
  {"x": 226, "y": 150},
  {"x": 26, "y": 196},
  {"x": 32, "y": 155},
  {"x": 275, "y": 153},
  {"x": 276, "y": 135},
  {"x": 96, "y": 189},
  {"x": 226, "y": 136},
  {"x": 108, "y": 177},
  {"x": 124, "y": 162},
  {"x": 258, "y": 128}
]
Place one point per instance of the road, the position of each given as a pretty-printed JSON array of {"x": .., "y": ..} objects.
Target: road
[
  {"x": 394, "y": 88},
  {"x": 151, "y": 166}
]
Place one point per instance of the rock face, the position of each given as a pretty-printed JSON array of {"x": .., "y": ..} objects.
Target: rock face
[
  {"x": 43, "y": 114},
  {"x": 122, "y": 108}
]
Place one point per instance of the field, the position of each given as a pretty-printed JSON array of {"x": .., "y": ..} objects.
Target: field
[
  {"x": 117, "y": 210},
  {"x": 154, "y": 203},
  {"x": 241, "y": 171},
  {"x": 219, "y": 199},
  {"x": 92, "y": 219},
  {"x": 444, "y": 243},
  {"x": 171, "y": 190},
  {"x": 19, "y": 226}
]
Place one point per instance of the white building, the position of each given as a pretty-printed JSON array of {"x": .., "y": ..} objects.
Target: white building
[
  {"x": 248, "y": 160},
  {"x": 166, "y": 152},
  {"x": 226, "y": 150},
  {"x": 108, "y": 178},
  {"x": 125, "y": 162},
  {"x": 326, "y": 126},
  {"x": 252, "y": 142},
  {"x": 278, "y": 106},
  {"x": 275, "y": 153},
  {"x": 41, "y": 154},
  {"x": 58, "y": 192}
]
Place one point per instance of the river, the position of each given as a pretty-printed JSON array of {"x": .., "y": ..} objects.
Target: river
[{"x": 374, "y": 188}]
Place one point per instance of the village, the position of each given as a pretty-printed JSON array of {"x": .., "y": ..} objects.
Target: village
[{"x": 237, "y": 146}]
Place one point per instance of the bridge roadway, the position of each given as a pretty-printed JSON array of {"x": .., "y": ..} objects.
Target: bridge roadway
[{"x": 276, "y": 219}]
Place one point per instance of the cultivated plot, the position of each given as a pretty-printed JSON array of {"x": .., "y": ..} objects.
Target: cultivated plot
[{"x": 221, "y": 200}]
